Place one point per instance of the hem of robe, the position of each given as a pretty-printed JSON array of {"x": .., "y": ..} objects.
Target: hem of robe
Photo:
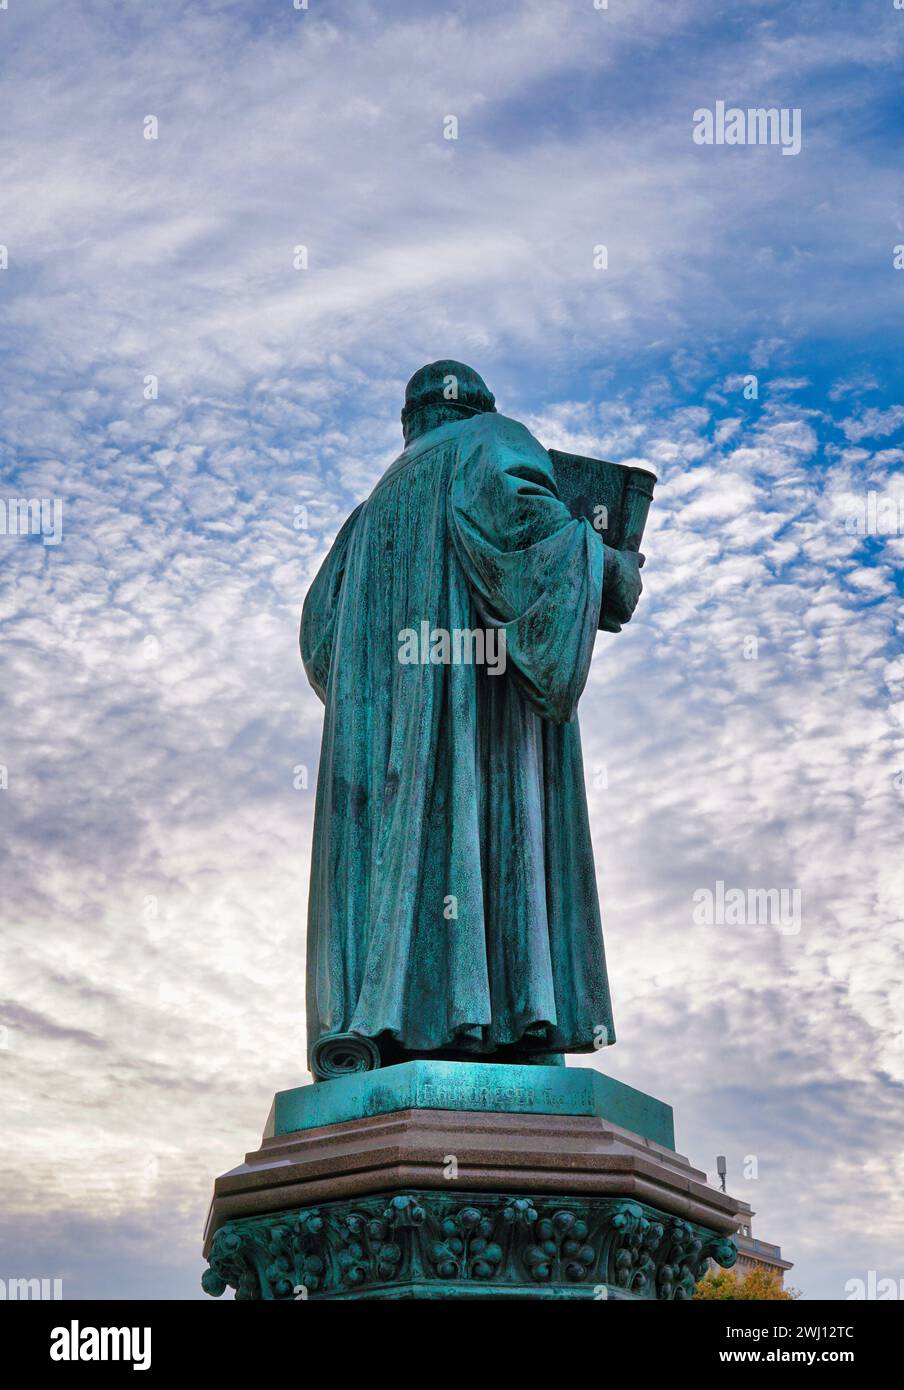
[{"x": 538, "y": 1038}]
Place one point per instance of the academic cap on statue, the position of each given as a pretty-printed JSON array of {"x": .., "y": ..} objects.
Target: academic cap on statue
[{"x": 448, "y": 384}]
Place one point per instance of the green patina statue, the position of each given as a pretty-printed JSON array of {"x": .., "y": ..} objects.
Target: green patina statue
[
  {"x": 453, "y": 908},
  {"x": 454, "y": 928}
]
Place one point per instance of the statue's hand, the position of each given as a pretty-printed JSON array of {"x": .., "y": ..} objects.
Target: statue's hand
[{"x": 622, "y": 584}]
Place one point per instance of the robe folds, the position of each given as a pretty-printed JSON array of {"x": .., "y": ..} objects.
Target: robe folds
[{"x": 453, "y": 903}]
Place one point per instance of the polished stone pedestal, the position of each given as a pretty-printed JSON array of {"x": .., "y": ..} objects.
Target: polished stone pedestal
[{"x": 466, "y": 1180}]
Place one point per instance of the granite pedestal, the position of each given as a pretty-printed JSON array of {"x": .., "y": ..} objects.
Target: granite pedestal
[{"x": 466, "y": 1180}]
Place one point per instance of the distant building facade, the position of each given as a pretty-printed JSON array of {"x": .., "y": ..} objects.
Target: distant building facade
[{"x": 758, "y": 1254}]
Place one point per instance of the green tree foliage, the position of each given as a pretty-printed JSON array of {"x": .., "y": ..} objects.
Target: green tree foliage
[{"x": 756, "y": 1284}]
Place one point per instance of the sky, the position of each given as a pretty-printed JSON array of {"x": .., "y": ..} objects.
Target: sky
[{"x": 231, "y": 231}]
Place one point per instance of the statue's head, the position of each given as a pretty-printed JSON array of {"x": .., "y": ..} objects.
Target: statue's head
[{"x": 443, "y": 391}]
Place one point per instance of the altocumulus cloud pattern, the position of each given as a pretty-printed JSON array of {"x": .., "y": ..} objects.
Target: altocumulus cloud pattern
[{"x": 231, "y": 230}]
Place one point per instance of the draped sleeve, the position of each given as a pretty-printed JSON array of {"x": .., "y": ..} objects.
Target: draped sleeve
[
  {"x": 533, "y": 569},
  {"x": 318, "y": 616}
]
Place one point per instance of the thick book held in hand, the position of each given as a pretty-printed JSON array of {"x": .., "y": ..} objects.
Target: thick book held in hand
[{"x": 614, "y": 497}]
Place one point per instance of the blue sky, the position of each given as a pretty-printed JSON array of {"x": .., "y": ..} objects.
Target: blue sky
[{"x": 153, "y": 709}]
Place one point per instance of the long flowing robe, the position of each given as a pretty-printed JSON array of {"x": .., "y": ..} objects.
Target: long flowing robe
[{"x": 453, "y": 902}]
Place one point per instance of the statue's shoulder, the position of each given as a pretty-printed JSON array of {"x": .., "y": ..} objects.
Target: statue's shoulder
[
  {"x": 493, "y": 426},
  {"x": 500, "y": 441}
]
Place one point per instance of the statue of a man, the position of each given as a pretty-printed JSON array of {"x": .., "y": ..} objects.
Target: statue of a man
[{"x": 453, "y": 910}]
